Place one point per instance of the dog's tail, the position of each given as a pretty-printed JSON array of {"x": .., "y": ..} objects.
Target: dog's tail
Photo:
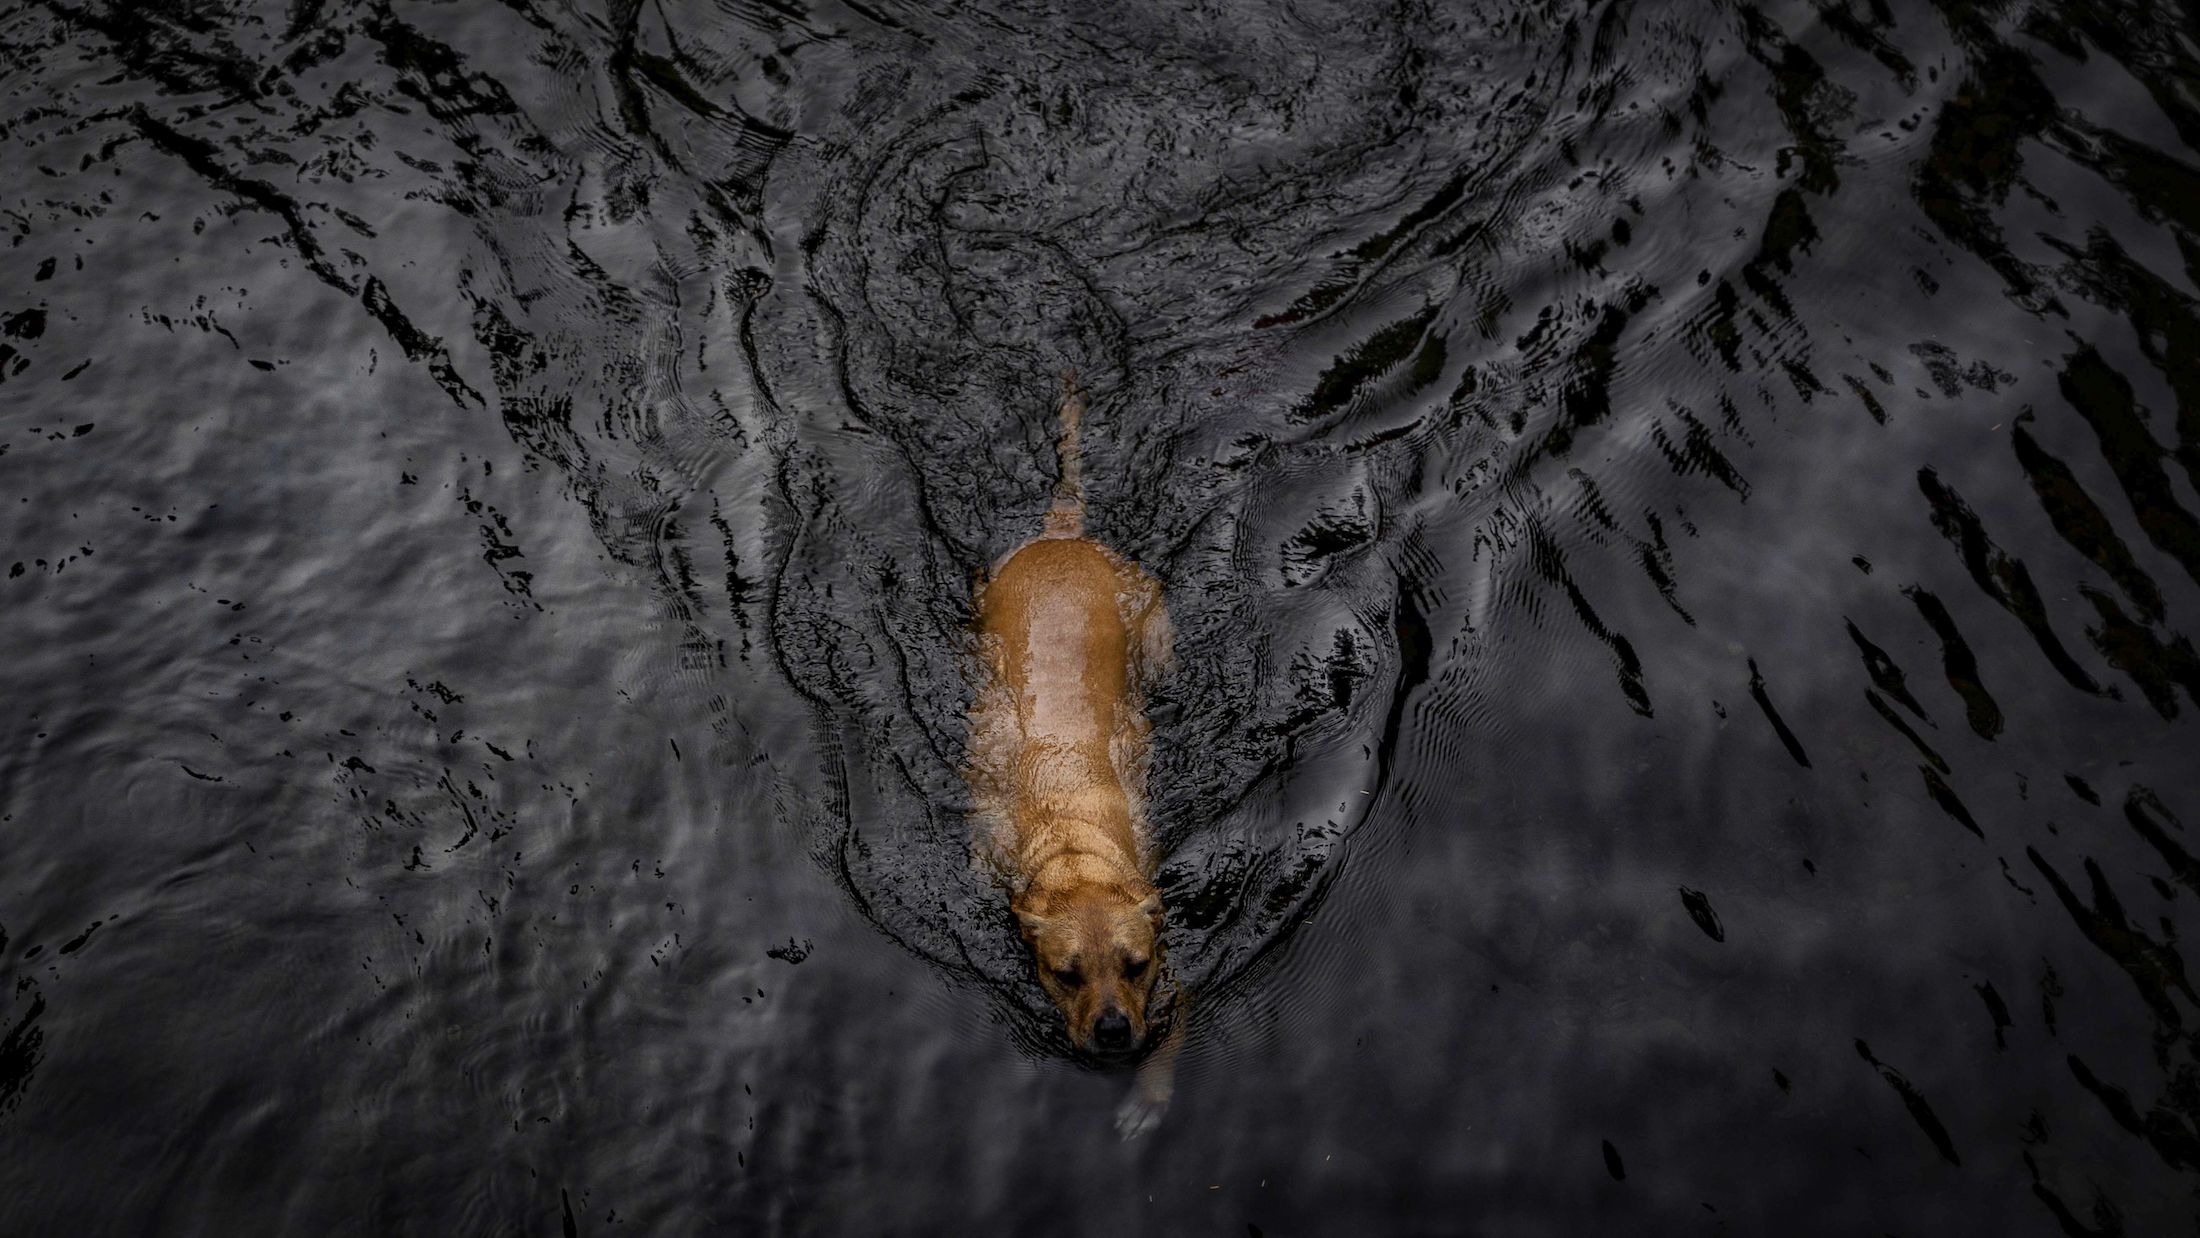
[{"x": 1066, "y": 518}]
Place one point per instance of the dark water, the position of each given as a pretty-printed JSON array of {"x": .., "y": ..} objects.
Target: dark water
[{"x": 1680, "y": 521}]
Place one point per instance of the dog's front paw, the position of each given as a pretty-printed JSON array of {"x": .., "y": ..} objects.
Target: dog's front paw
[{"x": 1141, "y": 1111}]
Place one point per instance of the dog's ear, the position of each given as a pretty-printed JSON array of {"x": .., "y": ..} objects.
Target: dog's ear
[
  {"x": 1151, "y": 905},
  {"x": 1030, "y": 909}
]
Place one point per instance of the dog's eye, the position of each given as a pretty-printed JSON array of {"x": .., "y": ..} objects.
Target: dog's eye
[
  {"x": 1068, "y": 977},
  {"x": 1134, "y": 968}
]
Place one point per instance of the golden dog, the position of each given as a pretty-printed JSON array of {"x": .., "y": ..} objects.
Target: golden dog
[{"x": 1068, "y": 634}]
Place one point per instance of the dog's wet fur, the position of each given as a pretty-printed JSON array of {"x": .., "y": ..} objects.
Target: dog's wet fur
[{"x": 1069, "y": 633}]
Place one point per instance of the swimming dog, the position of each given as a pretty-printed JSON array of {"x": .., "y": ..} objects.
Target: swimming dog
[{"x": 1069, "y": 635}]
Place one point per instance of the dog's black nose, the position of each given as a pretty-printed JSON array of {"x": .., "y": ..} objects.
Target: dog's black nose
[{"x": 1112, "y": 1030}]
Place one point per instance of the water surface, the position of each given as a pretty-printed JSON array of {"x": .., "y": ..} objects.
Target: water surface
[{"x": 1679, "y": 520}]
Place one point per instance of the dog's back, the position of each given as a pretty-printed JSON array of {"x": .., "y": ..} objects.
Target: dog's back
[{"x": 1052, "y": 612}]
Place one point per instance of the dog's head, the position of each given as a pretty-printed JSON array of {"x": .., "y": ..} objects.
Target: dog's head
[{"x": 1098, "y": 947}]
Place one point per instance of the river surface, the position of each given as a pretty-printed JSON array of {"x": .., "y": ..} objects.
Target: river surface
[{"x": 1679, "y": 519}]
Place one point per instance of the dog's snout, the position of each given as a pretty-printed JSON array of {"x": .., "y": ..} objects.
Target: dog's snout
[{"x": 1112, "y": 1030}]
